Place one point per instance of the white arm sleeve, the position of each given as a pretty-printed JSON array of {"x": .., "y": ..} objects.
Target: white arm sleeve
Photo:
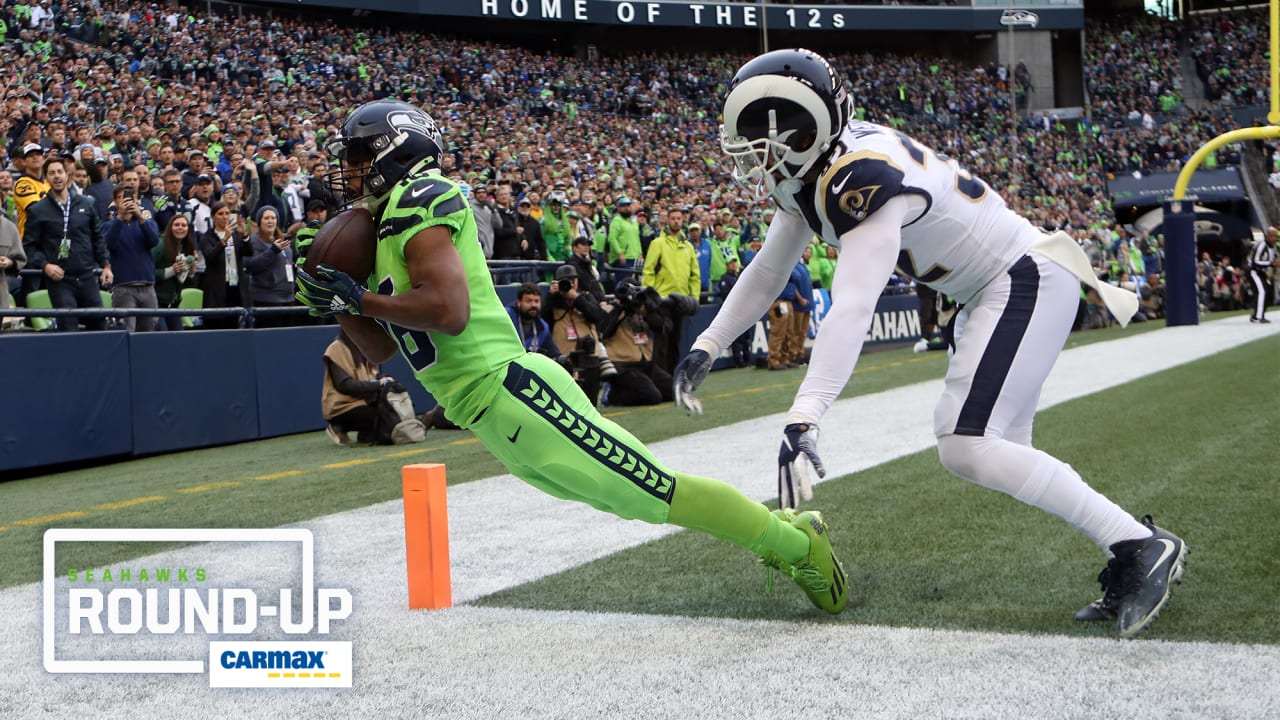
[
  {"x": 869, "y": 254},
  {"x": 760, "y": 284}
]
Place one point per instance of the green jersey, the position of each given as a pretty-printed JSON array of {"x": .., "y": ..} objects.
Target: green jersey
[{"x": 452, "y": 368}]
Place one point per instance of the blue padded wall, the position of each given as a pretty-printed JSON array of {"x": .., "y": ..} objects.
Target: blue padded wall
[
  {"x": 193, "y": 389},
  {"x": 66, "y": 398},
  {"x": 290, "y": 376}
]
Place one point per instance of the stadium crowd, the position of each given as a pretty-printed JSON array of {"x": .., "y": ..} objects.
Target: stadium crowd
[{"x": 163, "y": 117}]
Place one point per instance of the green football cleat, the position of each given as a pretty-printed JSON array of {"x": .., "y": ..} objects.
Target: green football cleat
[{"x": 820, "y": 573}]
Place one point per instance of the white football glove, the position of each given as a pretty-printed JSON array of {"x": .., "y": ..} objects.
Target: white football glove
[{"x": 799, "y": 444}]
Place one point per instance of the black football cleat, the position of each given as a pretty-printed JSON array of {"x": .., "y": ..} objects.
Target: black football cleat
[{"x": 1137, "y": 581}]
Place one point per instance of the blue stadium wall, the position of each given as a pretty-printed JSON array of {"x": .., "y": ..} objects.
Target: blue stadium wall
[{"x": 77, "y": 397}]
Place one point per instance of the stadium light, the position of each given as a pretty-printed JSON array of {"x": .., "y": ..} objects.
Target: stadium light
[{"x": 1012, "y": 18}]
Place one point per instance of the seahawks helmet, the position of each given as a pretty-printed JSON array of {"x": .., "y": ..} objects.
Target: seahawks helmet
[
  {"x": 782, "y": 114},
  {"x": 381, "y": 142}
]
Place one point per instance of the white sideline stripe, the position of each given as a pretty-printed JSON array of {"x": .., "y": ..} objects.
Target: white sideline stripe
[{"x": 498, "y": 662}]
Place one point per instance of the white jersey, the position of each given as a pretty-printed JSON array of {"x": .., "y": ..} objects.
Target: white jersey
[{"x": 964, "y": 237}]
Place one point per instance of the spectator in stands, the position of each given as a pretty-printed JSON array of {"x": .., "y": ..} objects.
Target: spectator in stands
[
  {"x": 201, "y": 201},
  {"x": 704, "y": 255},
  {"x": 8, "y": 208},
  {"x": 269, "y": 263},
  {"x": 624, "y": 247},
  {"x": 554, "y": 225},
  {"x": 485, "y": 210},
  {"x": 12, "y": 259},
  {"x": 267, "y": 163},
  {"x": 63, "y": 238},
  {"x": 30, "y": 186},
  {"x": 175, "y": 267},
  {"x": 529, "y": 233},
  {"x": 132, "y": 235},
  {"x": 224, "y": 248},
  {"x": 506, "y": 242},
  {"x": 172, "y": 202},
  {"x": 100, "y": 184},
  {"x": 647, "y": 231}
]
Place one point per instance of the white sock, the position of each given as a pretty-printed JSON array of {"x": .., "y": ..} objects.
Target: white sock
[{"x": 1041, "y": 480}]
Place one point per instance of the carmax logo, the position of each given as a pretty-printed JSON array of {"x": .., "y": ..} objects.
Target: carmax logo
[{"x": 280, "y": 664}]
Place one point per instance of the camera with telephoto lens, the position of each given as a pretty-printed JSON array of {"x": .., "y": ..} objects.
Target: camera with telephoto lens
[{"x": 564, "y": 284}]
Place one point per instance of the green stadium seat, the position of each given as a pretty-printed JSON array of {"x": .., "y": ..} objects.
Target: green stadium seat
[
  {"x": 40, "y": 299},
  {"x": 192, "y": 298}
]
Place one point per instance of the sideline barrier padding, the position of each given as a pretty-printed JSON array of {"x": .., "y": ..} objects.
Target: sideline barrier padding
[
  {"x": 290, "y": 373},
  {"x": 192, "y": 389},
  {"x": 66, "y": 397}
]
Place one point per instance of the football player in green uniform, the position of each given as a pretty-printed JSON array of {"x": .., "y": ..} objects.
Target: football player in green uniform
[{"x": 432, "y": 299}]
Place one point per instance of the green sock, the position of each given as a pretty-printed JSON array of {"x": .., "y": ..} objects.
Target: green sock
[{"x": 718, "y": 509}]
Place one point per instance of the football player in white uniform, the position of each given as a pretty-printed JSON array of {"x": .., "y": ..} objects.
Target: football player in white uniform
[{"x": 887, "y": 201}]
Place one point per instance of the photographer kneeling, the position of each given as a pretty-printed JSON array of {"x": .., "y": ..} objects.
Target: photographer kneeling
[
  {"x": 628, "y": 331},
  {"x": 356, "y": 397},
  {"x": 574, "y": 316}
]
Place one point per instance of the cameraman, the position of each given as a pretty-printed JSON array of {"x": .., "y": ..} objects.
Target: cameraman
[
  {"x": 574, "y": 317},
  {"x": 628, "y": 333}
]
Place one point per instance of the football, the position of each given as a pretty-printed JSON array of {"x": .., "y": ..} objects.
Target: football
[{"x": 347, "y": 242}]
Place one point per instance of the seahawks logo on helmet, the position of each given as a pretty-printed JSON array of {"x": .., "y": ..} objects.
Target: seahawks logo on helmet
[
  {"x": 380, "y": 143},
  {"x": 413, "y": 121}
]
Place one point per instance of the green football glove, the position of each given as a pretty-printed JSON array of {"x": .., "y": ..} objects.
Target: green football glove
[
  {"x": 330, "y": 292},
  {"x": 302, "y": 243}
]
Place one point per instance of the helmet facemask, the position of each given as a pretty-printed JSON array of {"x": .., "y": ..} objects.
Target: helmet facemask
[{"x": 780, "y": 123}]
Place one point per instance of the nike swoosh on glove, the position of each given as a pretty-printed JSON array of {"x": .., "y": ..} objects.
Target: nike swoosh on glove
[
  {"x": 690, "y": 373},
  {"x": 330, "y": 292},
  {"x": 799, "y": 443}
]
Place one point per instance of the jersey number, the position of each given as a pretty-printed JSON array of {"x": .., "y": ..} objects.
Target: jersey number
[
  {"x": 966, "y": 184},
  {"x": 415, "y": 345},
  {"x": 907, "y": 264}
]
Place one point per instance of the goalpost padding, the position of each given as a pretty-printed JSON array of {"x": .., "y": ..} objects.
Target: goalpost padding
[
  {"x": 426, "y": 536},
  {"x": 1182, "y": 301}
]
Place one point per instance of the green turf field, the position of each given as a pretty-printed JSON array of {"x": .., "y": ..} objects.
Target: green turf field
[{"x": 922, "y": 547}]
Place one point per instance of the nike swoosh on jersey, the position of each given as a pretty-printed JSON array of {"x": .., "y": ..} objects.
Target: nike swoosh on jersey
[
  {"x": 840, "y": 186},
  {"x": 515, "y": 435},
  {"x": 1169, "y": 548},
  {"x": 420, "y": 191}
]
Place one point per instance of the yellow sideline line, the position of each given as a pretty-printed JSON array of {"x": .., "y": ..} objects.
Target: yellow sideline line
[
  {"x": 407, "y": 453},
  {"x": 277, "y": 476},
  {"x": 129, "y": 503},
  {"x": 51, "y": 518},
  {"x": 350, "y": 463},
  {"x": 208, "y": 487}
]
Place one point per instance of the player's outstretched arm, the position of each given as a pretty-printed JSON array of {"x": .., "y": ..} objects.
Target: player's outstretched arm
[
  {"x": 867, "y": 259},
  {"x": 439, "y": 300}
]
